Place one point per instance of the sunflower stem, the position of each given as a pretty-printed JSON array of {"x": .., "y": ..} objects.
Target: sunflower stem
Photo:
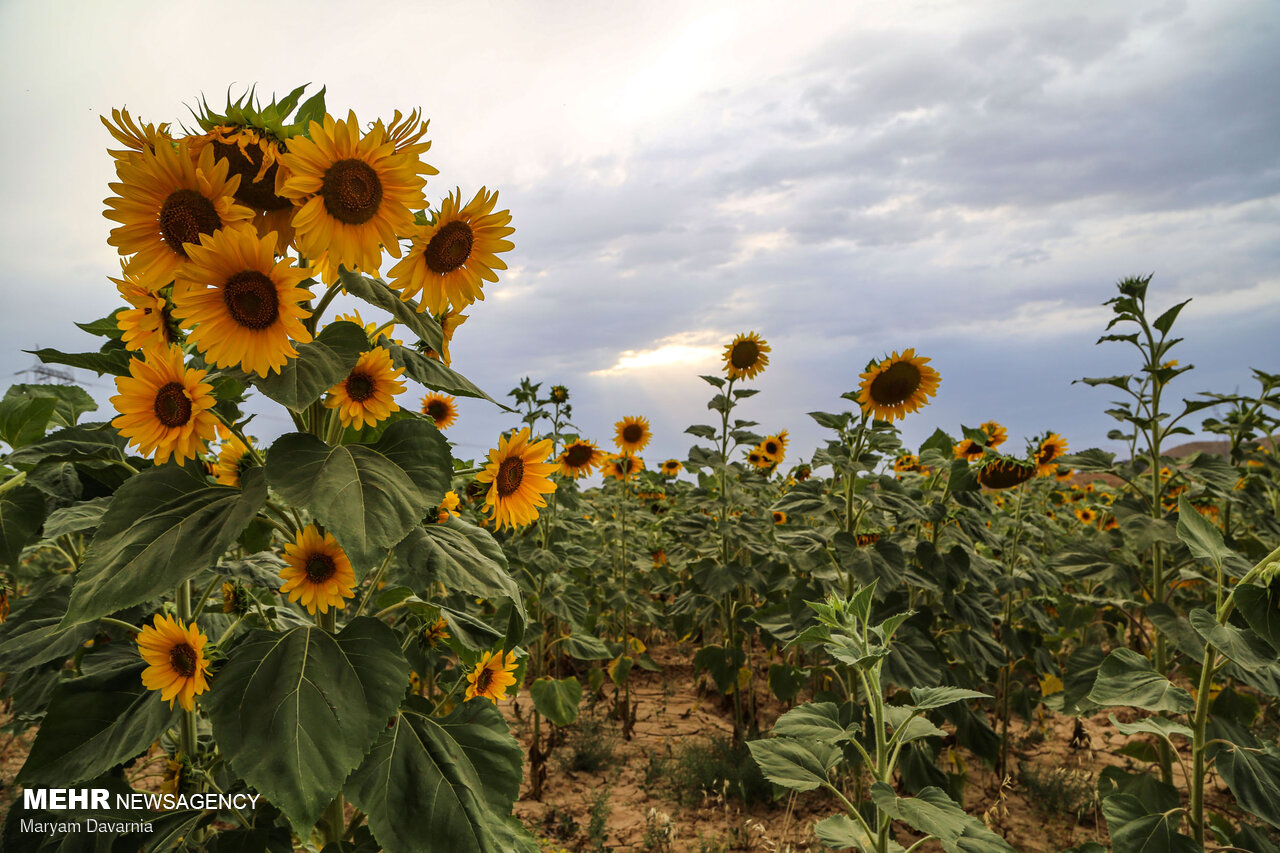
[
  {"x": 373, "y": 583},
  {"x": 204, "y": 597},
  {"x": 314, "y": 320},
  {"x": 187, "y": 733},
  {"x": 119, "y": 623}
]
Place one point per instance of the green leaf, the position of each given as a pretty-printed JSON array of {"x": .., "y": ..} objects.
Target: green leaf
[
  {"x": 1254, "y": 778},
  {"x": 933, "y": 812},
  {"x": 792, "y": 764},
  {"x": 1127, "y": 678},
  {"x": 295, "y": 713},
  {"x": 93, "y": 724},
  {"x": 113, "y": 361},
  {"x": 926, "y": 698},
  {"x": 1261, "y": 609},
  {"x": 320, "y": 365},
  {"x": 463, "y": 557},
  {"x": 163, "y": 526},
  {"x": 1161, "y": 727},
  {"x": 840, "y": 832},
  {"x": 32, "y": 635},
  {"x": 21, "y": 513},
  {"x": 557, "y": 698},
  {"x": 1203, "y": 538},
  {"x": 376, "y": 292},
  {"x": 1134, "y": 830},
  {"x": 819, "y": 721},
  {"x": 368, "y": 497},
  {"x": 24, "y": 420},
  {"x": 586, "y": 647},
  {"x": 447, "y": 784},
  {"x": 701, "y": 431},
  {"x": 70, "y": 401},
  {"x": 436, "y": 374},
  {"x": 1248, "y": 651},
  {"x": 76, "y": 518},
  {"x": 74, "y": 444},
  {"x": 1165, "y": 321}
]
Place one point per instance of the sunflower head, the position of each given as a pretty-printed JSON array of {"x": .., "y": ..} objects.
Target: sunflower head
[
  {"x": 996, "y": 434},
  {"x": 164, "y": 407},
  {"x": 580, "y": 458},
  {"x": 775, "y": 446},
  {"x": 235, "y": 598},
  {"x": 746, "y": 357},
  {"x": 969, "y": 450},
  {"x": 448, "y": 507},
  {"x": 1086, "y": 515},
  {"x": 1005, "y": 472},
  {"x": 148, "y": 324},
  {"x": 177, "y": 666},
  {"x": 518, "y": 478},
  {"x": 233, "y": 459},
  {"x": 671, "y": 467},
  {"x": 491, "y": 677},
  {"x": 559, "y": 394},
  {"x": 779, "y": 517},
  {"x": 433, "y": 634},
  {"x": 441, "y": 408},
  {"x": 367, "y": 395},
  {"x": 897, "y": 386},
  {"x": 449, "y": 323},
  {"x": 1046, "y": 453},
  {"x": 318, "y": 572},
  {"x": 760, "y": 458},
  {"x": 622, "y": 466},
  {"x": 135, "y": 136},
  {"x": 906, "y": 462},
  {"x": 632, "y": 434}
]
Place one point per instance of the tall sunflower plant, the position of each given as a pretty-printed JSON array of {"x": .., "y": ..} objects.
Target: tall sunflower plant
[{"x": 267, "y": 611}]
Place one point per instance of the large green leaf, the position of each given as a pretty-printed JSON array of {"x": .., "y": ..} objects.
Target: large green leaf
[
  {"x": 320, "y": 365},
  {"x": 463, "y": 557},
  {"x": 1239, "y": 646},
  {"x": 840, "y": 832},
  {"x": 926, "y": 698},
  {"x": 23, "y": 420},
  {"x": 21, "y": 513},
  {"x": 441, "y": 784},
  {"x": 1127, "y": 678},
  {"x": 798, "y": 765},
  {"x": 295, "y": 713},
  {"x": 33, "y": 634},
  {"x": 1260, "y": 607},
  {"x": 1135, "y": 830},
  {"x": 557, "y": 698},
  {"x": 93, "y": 724},
  {"x": 85, "y": 515},
  {"x": 111, "y": 360},
  {"x": 933, "y": 812},
  {"x": 1202, "y": 537},
  {"x": 376, "y": 292},
  {"x": 87, "y": 442},
  {"x": 163, "y": 526},
  {"x": 367, "y": 496},
  {"x": 818, "y": 721},
  {"x": 1254, "y": 777},
  {"x": 70, "y": 401},
  {"x": 586, "y": 647},
  {"x": 436, "y": 374}
]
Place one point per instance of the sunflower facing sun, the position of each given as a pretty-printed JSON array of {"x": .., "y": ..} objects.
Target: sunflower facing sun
[
  {"x": 671, "y": 467},
  {"x": 518, "y": 478},
  {"x": 164, "y": 407},
  {"x": 632, "y": 434},
  {"x": 491, "y": 677},
  {"x": 318, "y": 573},
  {"x": 580, "y": 458},
  {"x": 441, "y": 408},
  {"x": 1047, "y": 452},
  {"x": 368, "y": 393},
  {"x": 775, "y": 446},
  {"x": 245, "y": 307},
  {"x": 177, "y": 666},
  {"x": 452, "y": 258},
  {"x": 746, "y": 357},
  {"x": 355, "y": 192},
  {"x": 897, "y": 386}
]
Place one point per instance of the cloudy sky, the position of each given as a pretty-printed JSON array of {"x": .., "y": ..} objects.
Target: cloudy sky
[{"x": 966, "y": 178}]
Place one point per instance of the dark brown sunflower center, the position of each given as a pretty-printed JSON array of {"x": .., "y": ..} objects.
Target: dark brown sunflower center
[
  {"x": 771, "y": 447},
  {"x": 484, "y": 678},
  {"x": 251, "y": 299},
  {"x": 437, "y": 410},
  {"x": 183, "y": 660},
  {"x": 510, "y": 475},
  {"x": 319, "y": 568},
  {"x": 352, "y": 191},
  {"x": 184, "y": 216},
  {"x": 449, "y": 248},
  {"x": 895, "y": 386},
  {"x": 1048, "y": 453},
  {"x": 632, "y": 433},
  {"x": 360, "y": 387},
  {"x": 172, "y": 407},
  {"x": 245, "y": 162},
  {"x": 578, "y": 455},
  {"x": 744, "y": 355}
]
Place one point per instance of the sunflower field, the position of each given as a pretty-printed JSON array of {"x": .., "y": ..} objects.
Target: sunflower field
[{"x": 347, "y": 639}]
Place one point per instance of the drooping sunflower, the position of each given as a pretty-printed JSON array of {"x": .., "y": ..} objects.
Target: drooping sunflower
[
  {"x": 996, "y": 434},
  {"x": 632, "y": 434},
  {"x": 492, "y": 676},
  {"x": 1046, "y": 454},
  {"x": 671, "y": 467},
  {"x": 779, "y": 517},
  {"x": 448, "y": 507},
  {"x": 518, "y": 479},
  {"x": 149, "y": 323},
  {"x": 233, "y": 458},
  {"x": 164, "y": 407},
  {"x": 580, "y": 458},
  {"x": 897, "y": 386},
  {"x": 746, "y": 357},
  {"x": 318, "y": 573},
  {"x": 354, "y": 192},
  {"x": 164, "y": 202},
  {"x": 441, "y": 408},
  {"x": 622, "y": 466},
  {"x": 451, "y": 258},
  {"x": 177, "y": 666},
  {"x": 368, "y": 393},
  {"x": 244, "y": 306},
  {"x": 1005, "y": 472},
  {"x": 254, "y": 155}
]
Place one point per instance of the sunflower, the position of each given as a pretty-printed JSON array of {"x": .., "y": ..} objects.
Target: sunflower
[
  {"x": 760, "y": 458},
  {"x": 372, "y": 331},
  {"x": 865, "y": 539},
  {"x": 492, "y": 676},
  {"x": 803, "y": 473},
  {"x": 355, "y": 192},
  {"x": 559, "y": 394},
  {"x": 622, "y": 466},
  {"x": 318, "y": 571},
  {"x": 906, "y": 462},
  {"x": 775, "y": 446},
  {"x": 897, "y": 386},
  {"x": 1062, "y": 474},
  {"x": 1086, "y": 515},
  {"x": 519, "y": 479},
  {"x": 164, "y": 407},
  {"x": 149, "y": 323},
  {"x": 177, "y": 666},
  {"x": 1111, "y": 523},
  {"x": 165, "y": 202},
  {"x": 451, "y": 258},
  {"x": 746, "y": 357},
  {"x": 233, "y": 459},
  {"x": 135, "y": 136},
  {"x": 969, "y": 450},
  {"x": 448, "y": 507},
  {"x": 996, "y": 434},
  {"x": 243, "y": 304},
  {"x": 434, "y": 633},
  {"x": 235, "y": 598},
  {"x": 1048, "y": 451},
  {"x": 580, "y": 458},
  {"x": 255, "y": 157},
  {"x": 1004, "y": 472},
  {"x": 367, "y": 395},
  {"x": 632, "y": 434},
  {"x": 671, "y": 467},
  {"x": 779, "y": 517},
  {"x": 441, "y": 408}
]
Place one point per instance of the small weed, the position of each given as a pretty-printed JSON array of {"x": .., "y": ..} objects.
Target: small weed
[
  {"x": 590, "y": 746},
  {"x": 597, "y": 831},
  {"x": 710, "y": 767},
  {"x": 659, "y": 832},
  {"x": 1059, "y": 789}
]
